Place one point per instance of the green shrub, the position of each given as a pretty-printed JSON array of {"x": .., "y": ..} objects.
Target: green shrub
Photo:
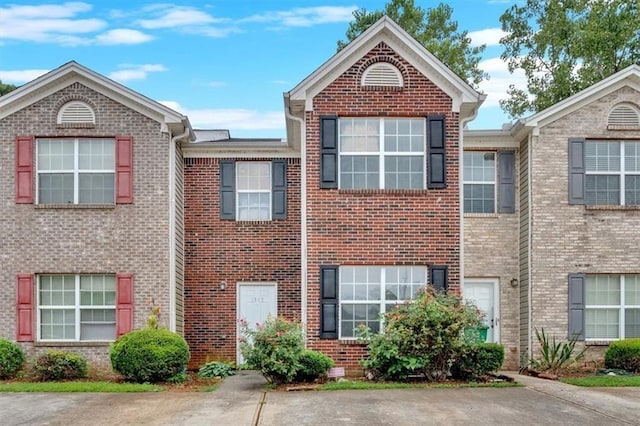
[
  {"x": 149, "y": 355},
  {"x": 313, "y": 365},
  {"x": 423, "y": 338},
  {"x": 60, "y": 365},
  {"x": 555, "y": 356},
  {"x": 11, "y": 359},
  {"x": 216, "y": 369},
  {"x": 180, "y": 377},
  {"x": 479, "y": 360},
  {"x": 624, "y": 354}
]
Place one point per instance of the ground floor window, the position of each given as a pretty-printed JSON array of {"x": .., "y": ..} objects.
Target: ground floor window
[{"x": 612, "y": 306}]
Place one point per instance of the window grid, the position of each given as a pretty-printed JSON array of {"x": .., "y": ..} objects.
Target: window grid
[
  {"x": 612, "y": 170},
  {"x": 479, "y": 180},
  {"x": 616, "y": 317},
  {"x": 253, "y": 183}
]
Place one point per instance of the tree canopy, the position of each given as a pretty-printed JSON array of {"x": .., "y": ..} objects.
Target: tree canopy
[
  {"x": 433, "y": 28},
  {"x": 6, "y": 88},
  {"x": 565, "y": 46}
]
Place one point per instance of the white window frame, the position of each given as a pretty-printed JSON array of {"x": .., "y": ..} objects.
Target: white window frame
[
  {"x": 77, "y": 310},
  {"x": 253, "y": 191},
  {"x": 381, "y": 153},
  {"x": 622, "y": 173},
  {"x": 76, "y": 168},
  {"x": 494, "y": 182},
  {"x": 620, "y": 308}
]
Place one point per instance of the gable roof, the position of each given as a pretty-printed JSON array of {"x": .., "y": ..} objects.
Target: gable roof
[{"x": 73, "y": 72}]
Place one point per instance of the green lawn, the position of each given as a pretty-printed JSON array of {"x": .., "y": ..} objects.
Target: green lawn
[
  {"x": 603, "y": 381},
  {"x": 78, "y": 386}
]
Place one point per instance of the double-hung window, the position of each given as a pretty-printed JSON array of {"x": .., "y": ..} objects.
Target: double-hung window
[
  {"x": 386, "y": 153},
  {"x": 479, "y": 182},
  {"x": 76, "y": 307},
  {"x": 612, "y": 307},
  {"x": 612, "y": 172},
  {"x": 76, "y": 171},
  {"x": 253, "y": 190},
  {"x": 366, "y": 292}
]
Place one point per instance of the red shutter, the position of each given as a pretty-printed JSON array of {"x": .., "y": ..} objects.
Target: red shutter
[
  {"x": 124, "y": 304},
  {"x": 124, "y": 170},
  {"x": 24, "y": 170},
  {"x": 24, "y": 308}
]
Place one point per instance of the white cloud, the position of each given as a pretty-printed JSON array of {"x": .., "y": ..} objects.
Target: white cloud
[
  {"x": 305, "y": 16},
  {"x": 123, "y": 36},
  {"x": 279, "y": 82},
  {"x": 20, "y": 76},
  {"x": 489, "y": 36},
  {"x": 169, "y": 16},
  {"x": 135, "y": 72},
  {"x": 232, "y": 119},
  {"x": 216, "y": 84},
  {"x": 500, "y": 79}
]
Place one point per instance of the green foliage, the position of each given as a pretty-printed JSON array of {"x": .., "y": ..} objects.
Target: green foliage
[
  {"x": 478, "y": 360},
  {"x": 149, "y": 355},
  {"x": 60, "y": 365},
  {"x": 624, "y": 354},
  {"x": 6, "y": 88},
  {"x": 313, "y": 364},
  {"x": 565, "y": 46},
  {"x": 180, "y": 377},
  {"x": 11, "y": 359},
  {"x": 425, "y": 337},
  {"x": 216, "y": 369},
  {"x": 555, "y": 356},
  {"x": 433, "y": 28}
]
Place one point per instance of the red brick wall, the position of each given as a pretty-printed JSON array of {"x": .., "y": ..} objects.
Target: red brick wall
[
  {"x": 379, "y": 227},
  {"x": 225, "y": 250}
]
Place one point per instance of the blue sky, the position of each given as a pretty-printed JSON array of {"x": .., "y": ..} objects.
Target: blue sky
[{"x": 224, "y": 63}]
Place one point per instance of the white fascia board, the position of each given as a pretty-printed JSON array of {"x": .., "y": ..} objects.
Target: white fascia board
[
  {"x": 489, "y": 139},
  {"x": 230, "y": 151}
]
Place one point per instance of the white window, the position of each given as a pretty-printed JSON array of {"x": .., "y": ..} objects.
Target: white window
[
  {"x": 76, "y": 307},
  {"x": 382, "y": 153},
  {"x": 612, "y": 170},
  {"x": 253, "y": 185},
  {"x": 366, "y": 292},
  {"x": 479, "y": 182},
  {"x": 76, "y": 171},
  {"x": 612, "y": 307}
]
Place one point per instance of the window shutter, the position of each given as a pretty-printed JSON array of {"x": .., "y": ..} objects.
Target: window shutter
[
  {"x": 436, "y": 152},
  {"x": 576, "y": 306},
  {"x": 124, "y": 304},
  {"x": 506, "y": 179},
  {"x": 438, "y": 277},
  {"x": 329, "y": 151},
  {"x": 124, "y": 170},
  {"x": 328, "y": 302},
  {"x": 279, "y": 189},
  {"x": 24, "y": 308},
  {"x": 24, "y": 170},
  {"x": 576, "y": 171},
  {"x": 227, "y": 189}
]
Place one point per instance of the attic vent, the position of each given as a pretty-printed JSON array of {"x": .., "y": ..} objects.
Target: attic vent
[
  {"x": 623, "y": 117},
  {"x": 382, "y": 74},
  {"x": 76, "y": 112}
]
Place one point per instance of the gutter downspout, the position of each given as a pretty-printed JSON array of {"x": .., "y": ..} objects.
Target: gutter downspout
[
  {"x": 529, "y": 245},
  {"x": 172, "y": 227}
]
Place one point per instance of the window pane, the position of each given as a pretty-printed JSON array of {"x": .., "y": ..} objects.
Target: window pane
[
  {"x": 57, "y": 290},
  {"x": 632, "y": 156},
  {"x": 602, "y": 190},
  {"x": 602, "y": 290},
  {"x": 479, "y": 167},
  {"x": 97, "y": 290},
  {"x": 632, "y": 190},
  {"x": 96, "y": 188},
  {"x": 404, "y": 135},
  {"x": 631, "y": 323},
  {"x": 253, "y": 175},
  {"x": 55, "y": 188},
  {"x": 97, "y": 324},
  {"x": 353, "y": 315},
  {"x": 254, "y": 205},
  {"x": 359, "y": 135},
  {"x": 55, "y": 154},
  {"x": 479, "y": 198},
  {"x": 632, "y": 290},
  {"x": 405, "y": 172},
  {"x": 96, "y": 154},
  {"x": 602, "y": 323},
  {"x": 602, "y": 156},
  {"x": 57, "y": 324},
  {"x": 359, "y": 172}
]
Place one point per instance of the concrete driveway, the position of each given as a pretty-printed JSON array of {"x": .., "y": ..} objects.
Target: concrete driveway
[{"x": 242, "y": 401}]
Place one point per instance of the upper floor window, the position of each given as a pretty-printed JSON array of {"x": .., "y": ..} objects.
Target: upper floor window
[
  {"x": 612, "y": 307},
  {"x": 254, "y": 190},
  {"x": 384, "y": 153},
  {"x": 76, "y": 171},
  {"x": 612, "y": 172},
  {"x": 479, "y": 182},
  {"x": 382, "y": 74},
  {"x": 76, "y": 112}
]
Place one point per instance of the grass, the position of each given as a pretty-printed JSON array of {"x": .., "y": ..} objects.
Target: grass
[
  {"x": 602, "y": 381},
  {"x": 360, "y": 385},
  {"x": 77, "y": 386}
]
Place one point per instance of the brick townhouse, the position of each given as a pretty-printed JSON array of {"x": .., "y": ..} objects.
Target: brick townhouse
[{"x": 111, "y": 202}]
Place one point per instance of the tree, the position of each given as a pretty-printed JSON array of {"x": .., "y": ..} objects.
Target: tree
[
  {"x": 6, "y": 88},
  {"x": 565, "y": 46},
  {"x": 433, "y": 28}
]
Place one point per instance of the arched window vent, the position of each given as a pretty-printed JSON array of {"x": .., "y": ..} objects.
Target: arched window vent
[
  {"x": 624, "y": 116},
  {"x": 382, "y": 74},
  {"x": 76, "y": 112}
]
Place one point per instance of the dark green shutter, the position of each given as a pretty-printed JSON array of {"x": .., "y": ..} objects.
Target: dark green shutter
[
  {"x": 506, "y": 182},
  {"x": 436, "y": 152},
  {"x": 438, "y": 277},
  {"x": 279, "y": 189},
  {"x": 329, "y": 302},
  {"x": 329, "y": 151},
  {"x": 227, "y": 189},
  {"x": 576, "y": 306},
  {"x": 576, "y": 171}
]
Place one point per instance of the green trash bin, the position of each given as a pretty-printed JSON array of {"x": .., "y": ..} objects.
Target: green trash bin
[{"x": 476, "y": 334}]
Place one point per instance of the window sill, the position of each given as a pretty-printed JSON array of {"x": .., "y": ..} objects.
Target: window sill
[
  {"x": 608, "y": 207},
  {"x": 75, "y": 206},
  {"x": 483, "y": 215},
  {"x": 351, "y": 342},
  {"x": 370, "y": 192},
  {"x": 597, "y": 342},
  {"x": 73, "y": 344}
]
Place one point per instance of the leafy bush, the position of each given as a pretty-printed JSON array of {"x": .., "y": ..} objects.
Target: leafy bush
[
  {"x": 216, "y": 369},
  {"x": 424, "y": 337},
  {"x": 624, "y": 354},
  {"x": 180, "y": 377},
  {"x": 149, "y": 355},
  {"x": 313, "y": 364},
  {"x": 479, "y": 360},
  {"x": 60, "y": 365},
  {"x": 555, "y": 356},
  {"x": 11, "y": 359}
]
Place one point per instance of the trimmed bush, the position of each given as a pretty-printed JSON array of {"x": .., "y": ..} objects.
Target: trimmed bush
[
  {"x": 11, "y": 359},
  {"x": 216, "y": 369},
  {"x": 149, "y": 355},
  {"x": 624, "y": 354},
  {"x": 313, "y": 365},
  {"x": 479, "y": 360},
  {"x": 60, "y": 365}
]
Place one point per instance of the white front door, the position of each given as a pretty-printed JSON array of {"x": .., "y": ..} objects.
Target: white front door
[
  {"x": 484, "y": 294},
  {"x": 256, "y": 301}
]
